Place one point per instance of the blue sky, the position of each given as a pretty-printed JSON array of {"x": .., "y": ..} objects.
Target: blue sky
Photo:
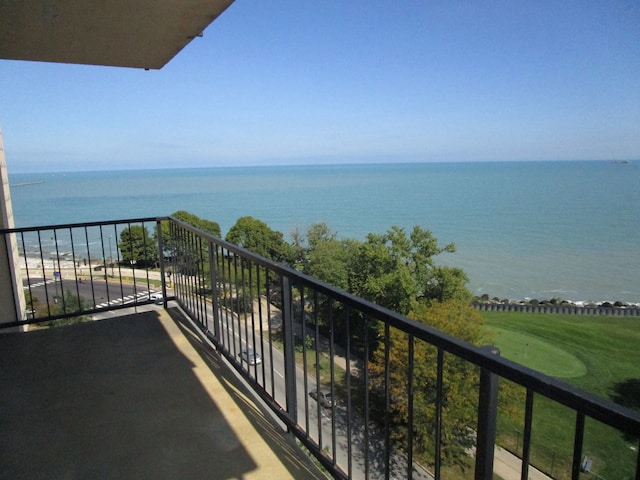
[{"x": 295, "y": 82}]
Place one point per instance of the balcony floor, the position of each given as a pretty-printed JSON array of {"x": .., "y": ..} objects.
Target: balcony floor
[{"x": 134, "y": 396}]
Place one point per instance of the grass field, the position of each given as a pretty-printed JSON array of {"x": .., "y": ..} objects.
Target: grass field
[
  {"x": 537, "y": 353},
  {"x": 589, "y": 352}
]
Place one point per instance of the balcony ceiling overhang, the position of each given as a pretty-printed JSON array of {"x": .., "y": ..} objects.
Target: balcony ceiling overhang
[{"x": 124, "y": 33}]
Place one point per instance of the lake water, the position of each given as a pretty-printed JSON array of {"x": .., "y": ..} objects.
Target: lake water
[{"x": 522, "y": 229}]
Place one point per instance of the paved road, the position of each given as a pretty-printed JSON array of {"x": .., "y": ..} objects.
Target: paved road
[{"x": 101, "y": 293}]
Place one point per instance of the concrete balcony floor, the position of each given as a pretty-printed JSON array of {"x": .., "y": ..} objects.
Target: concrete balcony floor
[{"x": 136, "y": 396}]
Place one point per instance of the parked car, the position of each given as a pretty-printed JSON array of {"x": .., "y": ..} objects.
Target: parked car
[
  {"x": 325, "y": 399},
  {"x": 251, "y": 357},
  {"x": 157, "y": 298}
]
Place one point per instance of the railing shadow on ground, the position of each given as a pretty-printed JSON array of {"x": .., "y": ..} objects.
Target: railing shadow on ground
[{"x": 262, "y": 419}]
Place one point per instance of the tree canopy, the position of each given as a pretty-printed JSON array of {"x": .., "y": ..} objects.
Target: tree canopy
[
  {"x": 189, "y": 218},
  {"x": 256, "y": 236},
  {"x": 394, "y": 269},
  {"x": 460, "y": 381},
  {"x": 205, "y": 225},
  {"x": 137, "y": 247},
  {"x": 327, "y": 258}
]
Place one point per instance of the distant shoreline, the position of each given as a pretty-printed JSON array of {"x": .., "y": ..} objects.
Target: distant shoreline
[
  {"x": 605, "y": 309},
  {"x": 555, "y": 302},
  {"x": 25, "y": 184}
]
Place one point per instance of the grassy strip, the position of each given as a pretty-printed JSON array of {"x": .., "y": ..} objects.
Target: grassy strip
[
  {"x": 324, "y": 364},
  {"x": 592, "y": 353}
]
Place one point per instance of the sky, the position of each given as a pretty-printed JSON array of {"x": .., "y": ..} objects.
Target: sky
[{"x": 334, "y": 81}]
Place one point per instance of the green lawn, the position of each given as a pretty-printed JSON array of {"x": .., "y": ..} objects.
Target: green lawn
[
  {"x": 590, "y": 352},
  {"x": 537, "y": 353}
]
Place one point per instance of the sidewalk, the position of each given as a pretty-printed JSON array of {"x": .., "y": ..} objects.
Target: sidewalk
[
  {"x": 68, "y": 269},
  {"x": 509, "y": 466}
]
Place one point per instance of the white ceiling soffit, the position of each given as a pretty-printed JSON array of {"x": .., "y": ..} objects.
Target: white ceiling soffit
[{"x": 124, "y": 33}]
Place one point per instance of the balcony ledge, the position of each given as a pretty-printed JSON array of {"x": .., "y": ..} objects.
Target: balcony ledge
[{"x": 136, "y": 396}]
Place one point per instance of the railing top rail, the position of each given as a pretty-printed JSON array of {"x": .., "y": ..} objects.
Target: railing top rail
[{"x": 78, "y": 225}]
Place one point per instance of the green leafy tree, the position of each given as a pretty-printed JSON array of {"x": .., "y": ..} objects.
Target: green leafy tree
[
  {"x": 460, "y": 382},
  {"x": 257, "y": 237},
  {"x": 137, "y": 247},
  {"x": 328, "y": 259},
  {"x": 190, "y": 260},
  {"x": 168, "y": 243},
  {"x": 397, "y": 270},
  {"x": 298, "y": 248},
  {"x": 189, "y": 218}
]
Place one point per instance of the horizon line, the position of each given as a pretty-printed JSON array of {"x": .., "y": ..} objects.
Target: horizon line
[{"x": 325, "y": 164}]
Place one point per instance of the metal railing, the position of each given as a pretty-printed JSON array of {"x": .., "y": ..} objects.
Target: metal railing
[
  {"x": 72, "y": 271},
  {"x": 358, "y": 385}
]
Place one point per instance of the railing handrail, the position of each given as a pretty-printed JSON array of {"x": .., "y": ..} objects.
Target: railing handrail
[{"x": 78, "y": 225}]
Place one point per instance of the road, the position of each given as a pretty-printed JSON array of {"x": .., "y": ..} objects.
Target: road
[{"x": 100, "y": 292}]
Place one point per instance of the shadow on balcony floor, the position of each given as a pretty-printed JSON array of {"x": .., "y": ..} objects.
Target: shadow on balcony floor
[{"x": 136, "y": 396}]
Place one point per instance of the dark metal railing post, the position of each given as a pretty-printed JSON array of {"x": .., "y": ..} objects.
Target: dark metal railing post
[
  {"x": 439, "y": 404},
  {"x": 487, "y": 417},
  {"x": 161, "y": 262},
  {"x": 289, "y": 350},
  {"x": 526, "y": 438},
  {"x": 215, "y": 304},
  {"x": 577, "y": 446},
  {"x": 638, "y": 462}
]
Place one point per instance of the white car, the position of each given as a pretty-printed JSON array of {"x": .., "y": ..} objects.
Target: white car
[
  {"x": 157, "y": 298},
  {"x": 251, "y": 357}
]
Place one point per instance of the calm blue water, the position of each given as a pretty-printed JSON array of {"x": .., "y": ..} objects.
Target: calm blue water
[{"x": 526, "y": 229}]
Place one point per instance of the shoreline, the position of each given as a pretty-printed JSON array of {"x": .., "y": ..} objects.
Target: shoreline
[
  {"x": 554, "y": 302},
  {"x": 605, "y": 309},
  {"x": 35, "y": 264}
]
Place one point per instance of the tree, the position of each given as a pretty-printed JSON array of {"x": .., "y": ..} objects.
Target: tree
[
  {"x": 257, "y": 237},
  {"x": 397, "y": 270},
  {"x": 298, "y": 248},
  {"x": 460, "y": 382},
  {"x": 447, "y": 283},
  {"x": 318, "y": 233},
  {"x": 203, "y": 224},
  {"x": 137, "y": 248},
  {"x": 188, "y": 261},
  {"x": 207, "y": 226},
  {"x": 328, "y": 259}
]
